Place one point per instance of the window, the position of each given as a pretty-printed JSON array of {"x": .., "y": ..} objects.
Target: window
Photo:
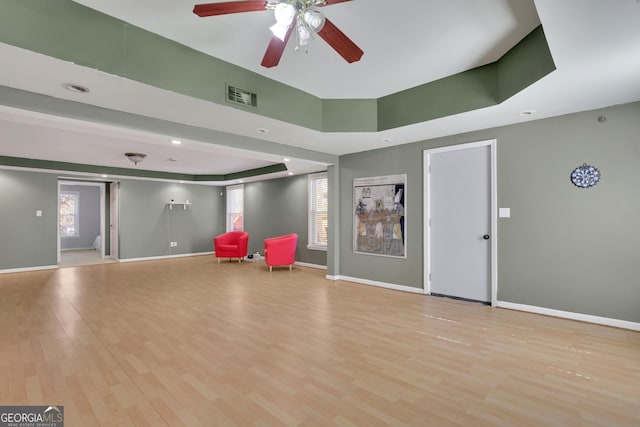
[
  {"x": 235, "y": 207},
  {"x": 318, "y": 213},
  {"x": 68, "y": 211}
]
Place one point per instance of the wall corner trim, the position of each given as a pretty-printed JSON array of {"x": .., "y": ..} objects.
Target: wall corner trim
[
  {"x": 378, "y": 284},
  {"x": 25, "y": 269},
  {"x": 616, "y": 323}
]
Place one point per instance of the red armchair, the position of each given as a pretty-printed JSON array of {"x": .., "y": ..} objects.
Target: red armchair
[
  {"x": 232, "y": 244},
  {"x": 280, "y": 250}
]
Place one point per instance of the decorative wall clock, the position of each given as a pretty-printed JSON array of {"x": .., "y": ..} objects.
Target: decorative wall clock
[{"x": 585, "y": 176}]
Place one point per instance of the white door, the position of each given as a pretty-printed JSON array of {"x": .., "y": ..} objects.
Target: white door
[
  {"x": 459, "y": 211},
  {"x": 113, "y": 219}
]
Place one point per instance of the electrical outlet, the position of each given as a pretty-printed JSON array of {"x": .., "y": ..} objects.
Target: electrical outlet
[{"x": 173, "y": 244}]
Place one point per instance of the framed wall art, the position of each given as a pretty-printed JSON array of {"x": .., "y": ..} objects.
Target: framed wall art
[{"x": 379, "y": 206}]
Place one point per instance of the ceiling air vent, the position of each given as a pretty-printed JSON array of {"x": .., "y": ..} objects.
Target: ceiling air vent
[{"x": 242, "y": 97}]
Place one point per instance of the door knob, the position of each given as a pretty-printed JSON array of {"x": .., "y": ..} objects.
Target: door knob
[{"x": 485, "y": 237}]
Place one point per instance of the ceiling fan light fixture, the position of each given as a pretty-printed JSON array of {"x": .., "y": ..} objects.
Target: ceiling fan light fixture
[
  {"x": 284, "y": 14},
  {"x": 135, "y": 157},
  {"x": 304, "y": 34},
  {"x": 279, "y": 31},
  {"x": 315, "y": 20}
]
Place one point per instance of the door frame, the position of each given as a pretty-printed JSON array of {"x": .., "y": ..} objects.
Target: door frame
[
  {"x": 101, "y": 185},
  {"x": 493, "y": 203},
  {"x": 114, "y": 220}
]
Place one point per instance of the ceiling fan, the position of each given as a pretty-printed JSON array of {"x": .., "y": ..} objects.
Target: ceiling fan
[{"x": 298, "y": 15}]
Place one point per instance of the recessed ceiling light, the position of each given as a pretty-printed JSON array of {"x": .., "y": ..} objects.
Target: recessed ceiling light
[
  {"x": 104, "y": 176},
  {"x": 241, "y": 181},
  {"x": 286, "y": 160},
  {"x": 290, "y": 173},
  {"x": 181, "y": 182},
  {"x": 262, "y": 130},
  {"x": 527, "y": 112},
  {"x": 176, "y": 142},
  {"x": 72, "y": 87}
]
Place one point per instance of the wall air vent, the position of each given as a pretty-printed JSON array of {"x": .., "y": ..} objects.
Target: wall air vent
[{"x": 242, "y": 97}]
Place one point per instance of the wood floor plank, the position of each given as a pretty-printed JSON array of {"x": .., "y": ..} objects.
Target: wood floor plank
[{"x": 190, "y": 342}]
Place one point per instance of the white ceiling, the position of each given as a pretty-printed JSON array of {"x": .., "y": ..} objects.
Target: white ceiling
[
  {"x": 31, "y": 134},
  {"x": 594, "y": 44}
]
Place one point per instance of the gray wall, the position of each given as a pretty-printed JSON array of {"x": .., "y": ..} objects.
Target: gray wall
[
  {"x": 563, "y": 248},
  {"x": 89, "y": 217},
  {"x": 27, "y": 240},
  {"x": 147, "y": 225},
  {"x": 393, "y": 161},
  {"x": 567, "y": 248},
  {"x": 276, "y": 207}
]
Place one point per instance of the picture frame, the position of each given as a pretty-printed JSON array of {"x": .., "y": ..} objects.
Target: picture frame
[{"x": 379, "y": 213}]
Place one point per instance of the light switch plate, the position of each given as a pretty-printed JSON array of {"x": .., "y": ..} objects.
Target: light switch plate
[
  {"x": 38, "y": 212},
  {"x": 504, "y": 212}
]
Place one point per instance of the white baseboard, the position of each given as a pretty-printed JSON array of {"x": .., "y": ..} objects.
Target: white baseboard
[
  {"x": 306, "y": 264},
  {"x": 77, "y": 249},
  {"x": 617, "y": 323},
  {"x": 153, "y": 258},
  {"x": 22, "y": 270},
  {"x": 378, "y": 284}
]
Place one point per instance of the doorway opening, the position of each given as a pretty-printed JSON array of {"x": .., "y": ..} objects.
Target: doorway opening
[{"x": 82, "y": 214}]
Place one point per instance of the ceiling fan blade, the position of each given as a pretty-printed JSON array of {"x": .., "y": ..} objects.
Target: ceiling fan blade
[
  {"x": 276, "y": 49},
  {"x": 340, "y": 42},
  {"x": 330, "y": 2},
  {"x": 213, "y": 9}
]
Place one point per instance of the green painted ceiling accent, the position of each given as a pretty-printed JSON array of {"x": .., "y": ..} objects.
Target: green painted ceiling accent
[
  {"x": 347, "y": 115},
  {"x": 526, "y": 63},
  {"x": 69, "y": 31},
  {"x": 139, "y": 173},
  {"x": 470, "y": 90}
]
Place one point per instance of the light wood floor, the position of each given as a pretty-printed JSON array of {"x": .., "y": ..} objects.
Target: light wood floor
[
  {"x": 78, "y": 257},
  {"x": 196, "y": 343}
]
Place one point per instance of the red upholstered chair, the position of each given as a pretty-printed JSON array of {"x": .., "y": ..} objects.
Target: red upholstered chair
[
  {"x": 232, "y": 244},
  {"x": 280, "y": 250}
]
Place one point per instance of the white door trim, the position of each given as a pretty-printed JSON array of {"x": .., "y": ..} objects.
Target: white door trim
[
  {"x": 491, "y": 143},
  {"x": 114, "y": 220}
]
